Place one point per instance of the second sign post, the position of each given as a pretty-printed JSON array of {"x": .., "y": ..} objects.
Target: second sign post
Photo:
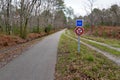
[{"x": 79, "y": 30}]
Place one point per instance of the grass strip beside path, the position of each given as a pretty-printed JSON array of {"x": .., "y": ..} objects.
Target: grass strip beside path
[
  {"x": 86, "y": 65},
  {"x": 111, "y": 42},
  {"x": 103, "y": 48}
]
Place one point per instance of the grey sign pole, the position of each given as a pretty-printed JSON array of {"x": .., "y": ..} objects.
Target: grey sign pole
[
  {"x": 79, "y": 23},
  {"x": 78, "y": 43}
]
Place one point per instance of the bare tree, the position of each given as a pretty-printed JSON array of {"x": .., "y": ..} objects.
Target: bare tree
[
  {"x": 5, "y": 4},
  {"x": 20, "y": 14},
  {"x": 115, "y": 10},
  {"x": 89, "y": 9},
  {"x": 26, "y": 8}
]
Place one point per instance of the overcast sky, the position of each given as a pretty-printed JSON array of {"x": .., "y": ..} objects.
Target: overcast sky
[{"x": 79, "y": 5}]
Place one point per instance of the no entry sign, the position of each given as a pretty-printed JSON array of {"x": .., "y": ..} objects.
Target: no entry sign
[{"x": 79, "y": 31}]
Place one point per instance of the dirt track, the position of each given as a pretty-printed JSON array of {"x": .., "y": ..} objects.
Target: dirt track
[{"x": 108, "y": 55}]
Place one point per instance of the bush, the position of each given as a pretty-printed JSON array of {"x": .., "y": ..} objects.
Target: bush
[
  {"x": 114, "y": 33},
  {"x": 48, "y": 28},
  {"x": 36, "y": 29},
  {"x": 16, "y": 30},
  {"x": 104, "y": 34},
  {"x": 86, "y": 25},
  {"x": 96, "y": 33}
]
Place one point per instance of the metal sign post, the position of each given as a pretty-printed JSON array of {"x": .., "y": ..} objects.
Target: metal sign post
[
  {"x": 78, "y": 43},
  {"x": 79, "y": 31}
]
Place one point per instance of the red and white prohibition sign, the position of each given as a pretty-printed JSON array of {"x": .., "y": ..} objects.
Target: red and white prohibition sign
[{"x": 79, "y": 30}]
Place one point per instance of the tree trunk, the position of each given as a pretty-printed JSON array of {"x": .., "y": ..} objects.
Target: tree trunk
[{"x": 8, "y": 27}]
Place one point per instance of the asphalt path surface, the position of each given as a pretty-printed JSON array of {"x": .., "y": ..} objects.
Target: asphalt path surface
[{"x": 38, "y": 63}]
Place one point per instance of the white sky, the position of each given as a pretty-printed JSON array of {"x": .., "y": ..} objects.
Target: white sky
[{"x": 79, "y": 5}]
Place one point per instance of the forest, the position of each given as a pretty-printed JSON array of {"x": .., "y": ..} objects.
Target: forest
[
  {"x": 29, "y": 19},
  {"x": 20, "y": 17}
]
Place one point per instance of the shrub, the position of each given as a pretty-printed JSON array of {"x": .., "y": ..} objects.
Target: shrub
[
  {"x": 96, "y": 33},
  {"x": 48, "y": 28},
  {"x": 15, "y": 30},
  {"x": 86, "y": 25},
  {"x": 36, "y": 29},
  {"x": 104, "y": 34},
  {"x": 114, "y": 33}
]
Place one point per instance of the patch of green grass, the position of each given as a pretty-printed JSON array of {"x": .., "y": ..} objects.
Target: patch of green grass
[
  {"x": 90, "y": 58},
  {"x": 103, "y": 48},
  {"x": 70, "y": 32},
  {"x": 87, "y": 64}
]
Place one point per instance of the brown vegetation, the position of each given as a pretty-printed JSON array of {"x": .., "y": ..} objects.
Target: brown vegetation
[
  {"x": 32, "y": 36},
  {"x": 7, "y": 40},
  {"x": 105, "y": 31}
]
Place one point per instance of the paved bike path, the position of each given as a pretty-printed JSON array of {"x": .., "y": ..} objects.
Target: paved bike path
[{"x": 38, "y": 63}]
